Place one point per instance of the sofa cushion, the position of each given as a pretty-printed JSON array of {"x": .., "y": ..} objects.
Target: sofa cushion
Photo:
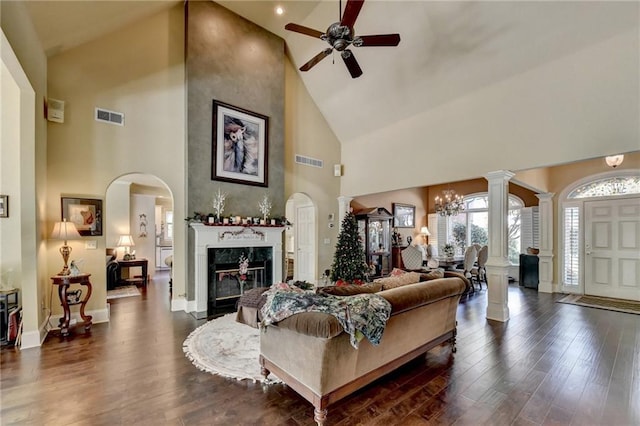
[
  {"x": 432, "y": 275},
  {"x": 315, "y": 324},
  {"x": 407, "y": 297},
  {"x": 350, "y": 290},
  {"x": 400, "y": 280}
]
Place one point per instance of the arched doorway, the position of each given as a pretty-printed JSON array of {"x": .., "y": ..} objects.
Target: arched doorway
[
  {"x": 141, "y": 206},
  {"x": 302, "y": 236},
  {"x": 600, "y": 235}
]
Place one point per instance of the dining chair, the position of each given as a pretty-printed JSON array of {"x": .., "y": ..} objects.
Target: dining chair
[
  {"x": 479, "y": 272},
  {"x": 470, "y": 255},
  {"x": 411, "y": 258}
]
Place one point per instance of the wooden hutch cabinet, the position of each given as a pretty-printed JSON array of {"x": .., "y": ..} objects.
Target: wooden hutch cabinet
[{"x": 374, "y": 227}]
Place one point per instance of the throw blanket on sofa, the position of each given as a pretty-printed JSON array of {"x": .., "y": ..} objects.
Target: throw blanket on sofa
[{"x": 360, "y": 315}]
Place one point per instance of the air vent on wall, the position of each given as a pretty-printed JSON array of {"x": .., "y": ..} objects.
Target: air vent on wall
[
  {"x": 110, "y": 117},
  {"x": 308, "y": 161}
]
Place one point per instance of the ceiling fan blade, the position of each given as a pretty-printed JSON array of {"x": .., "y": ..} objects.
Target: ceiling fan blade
[
  {"x": 320, "y": 56},
  {"x": 303, "y": 30},
  {"x": 380, "y": 40},
  {"x": 351, "y": 12},
  {"x": 351, "y": 63}
]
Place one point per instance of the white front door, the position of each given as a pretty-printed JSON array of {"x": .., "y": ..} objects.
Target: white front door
[
  {"x": 612, "y": 248},
  {"x": 305, "y": 266}
]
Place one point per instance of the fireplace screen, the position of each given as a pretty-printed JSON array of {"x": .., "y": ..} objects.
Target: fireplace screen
[{"x": 227, "y": 281}]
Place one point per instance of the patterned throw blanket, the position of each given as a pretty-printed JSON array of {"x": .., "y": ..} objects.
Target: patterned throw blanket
[{"x": 362, "y": 315}]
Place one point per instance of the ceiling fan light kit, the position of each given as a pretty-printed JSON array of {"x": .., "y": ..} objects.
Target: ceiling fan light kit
[{"x": 340, "y": 35}]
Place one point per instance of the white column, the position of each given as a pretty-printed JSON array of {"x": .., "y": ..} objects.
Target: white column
[
  {"x": 344, "y": 207},
  {"x": 545, "y": 211},
  {"x": 498, "y": 262}
]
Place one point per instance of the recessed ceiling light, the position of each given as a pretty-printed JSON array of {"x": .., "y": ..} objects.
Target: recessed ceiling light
[{"x": 279, "y": 10}]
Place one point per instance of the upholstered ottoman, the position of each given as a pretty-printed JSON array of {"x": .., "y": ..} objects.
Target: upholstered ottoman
[{"x": 249, "y": 305}]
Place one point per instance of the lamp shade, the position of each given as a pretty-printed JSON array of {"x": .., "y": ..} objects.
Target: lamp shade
[
  {"x": 424, "y": 230},
  {"x": 65, "y": 231},
  {"x": 125, "y": 241}
]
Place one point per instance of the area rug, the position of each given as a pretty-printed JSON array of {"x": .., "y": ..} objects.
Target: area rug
[
  {"x": 227, "y": 348},
  {"x": 124, "y": 291},
  {"x": 618, "y": 305}
]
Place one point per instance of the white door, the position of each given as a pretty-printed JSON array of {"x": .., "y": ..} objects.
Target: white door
[
  {"x": 305, "y": 266},
  {"x": 612, "y": 248}
]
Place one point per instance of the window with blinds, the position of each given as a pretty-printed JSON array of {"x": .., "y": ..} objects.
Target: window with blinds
[
  {"x": 530, "y": 232},
  {"x": 571, "y": 272}
]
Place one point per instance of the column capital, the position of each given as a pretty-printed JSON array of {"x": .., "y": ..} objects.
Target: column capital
[
  {"x": 343, "y": 199},
  {"x": 499, "y": 174},
  {"x": 344, "y": 205},
  {"x": 545, "y": 196}
]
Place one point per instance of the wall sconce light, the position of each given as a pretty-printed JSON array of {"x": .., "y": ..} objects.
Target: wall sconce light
[
  {"x": 65, "y": 231},
  {"x": 614, "y": 160}
]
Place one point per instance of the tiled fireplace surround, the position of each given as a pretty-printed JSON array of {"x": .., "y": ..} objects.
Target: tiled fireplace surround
[{"x": 207, "y": 237}]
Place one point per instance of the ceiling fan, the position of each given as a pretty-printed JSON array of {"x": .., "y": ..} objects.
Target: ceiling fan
[{"x": 340, "y": 35}]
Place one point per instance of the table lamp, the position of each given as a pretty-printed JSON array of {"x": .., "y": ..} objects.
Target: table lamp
[
  {"x": 425, "y": 232},
  {"x": 65, "y": 231},
  {"x": 125, "y": 241}
]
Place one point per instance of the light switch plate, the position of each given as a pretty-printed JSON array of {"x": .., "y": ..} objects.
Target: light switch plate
[
  {"x": 91, "y": 245},
  {"x": 327, "y": 241}
]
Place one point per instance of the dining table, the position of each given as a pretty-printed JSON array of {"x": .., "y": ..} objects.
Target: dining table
[{"x": 450, "y": 263}]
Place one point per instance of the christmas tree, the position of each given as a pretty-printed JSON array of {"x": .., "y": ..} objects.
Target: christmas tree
[{"x": 349, "y": 265}]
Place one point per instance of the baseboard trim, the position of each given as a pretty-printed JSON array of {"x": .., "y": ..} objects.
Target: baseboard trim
[
  {"x": 31, "y": 339},
  {"x": 98, "y": 316},
  {"x": 545, "y": 287},
  {"x": 179, "y": 304}
]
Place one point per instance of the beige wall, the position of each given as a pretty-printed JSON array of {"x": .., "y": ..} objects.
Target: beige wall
[
  {"x": 582, "y": 106},
  {"x": 414, "y": 196},
  {"x": 138, "y": 71},
  {"x": 307, "y": 133},
  {"x": 560, "y": 177},
  {"x": 25, "y": 61},
  {"x": 424, "y": 198}
]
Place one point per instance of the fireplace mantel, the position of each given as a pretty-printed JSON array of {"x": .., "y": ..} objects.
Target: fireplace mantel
[{"x": 231, "y": 237}]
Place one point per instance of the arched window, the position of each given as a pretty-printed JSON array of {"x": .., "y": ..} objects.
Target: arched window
[
  {"x": 611, "y": 185},
  {"x": 472, "y": 226},
  {"x": 607, "y": 187}
]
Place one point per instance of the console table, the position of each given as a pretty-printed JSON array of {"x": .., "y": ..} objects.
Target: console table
[
  {"x": 63, "y": 282},
  {"x": 142, "y": 263}
]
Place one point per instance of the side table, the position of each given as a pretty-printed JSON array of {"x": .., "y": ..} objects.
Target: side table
[
  {"x": 142, "y": 263},
  {"x": 63, "y": 282}
]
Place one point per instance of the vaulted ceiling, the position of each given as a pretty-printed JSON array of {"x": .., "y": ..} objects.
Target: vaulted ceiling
[{"x": 447, "y": 49}]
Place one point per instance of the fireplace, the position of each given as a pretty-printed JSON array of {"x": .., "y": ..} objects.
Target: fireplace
[
  {"x": 259, "y": 243},
  {"x": 226, "y": 283}
]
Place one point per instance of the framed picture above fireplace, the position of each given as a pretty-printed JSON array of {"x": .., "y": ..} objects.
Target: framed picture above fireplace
[{"x": 240, "y": 145}]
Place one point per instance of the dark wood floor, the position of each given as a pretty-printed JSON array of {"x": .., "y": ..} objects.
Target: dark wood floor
[{"x": 550, "y": 364}]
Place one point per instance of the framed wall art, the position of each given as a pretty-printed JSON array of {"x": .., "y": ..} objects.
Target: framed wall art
[
  {"x": 404, "y": 215},
  {"x": 85, "y": 213},
  {"x": 4, "y": 206},
  {"x": 240, "y": 145}
]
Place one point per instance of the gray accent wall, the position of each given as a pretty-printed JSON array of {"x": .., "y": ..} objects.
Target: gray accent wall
[{"x": 234, "y": 61}]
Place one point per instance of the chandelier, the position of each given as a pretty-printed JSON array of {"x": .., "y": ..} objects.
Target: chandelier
[{"x": 450, "y": 205}]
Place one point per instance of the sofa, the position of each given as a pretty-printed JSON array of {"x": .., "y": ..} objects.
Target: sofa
[
  {"x": 113, "y": 269},
  {"x": 313, "y": 355}
]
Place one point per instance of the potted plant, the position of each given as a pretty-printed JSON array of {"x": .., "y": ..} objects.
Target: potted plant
[{"x": 448, "y": 250}]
